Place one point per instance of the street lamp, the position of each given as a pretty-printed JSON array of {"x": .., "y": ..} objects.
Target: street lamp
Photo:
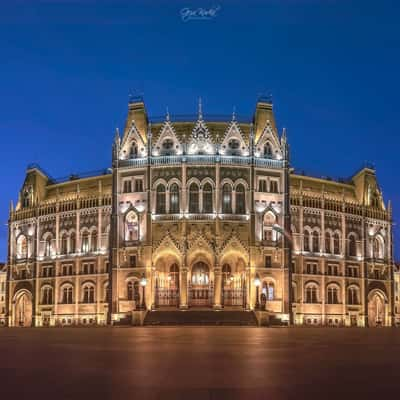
[
  {"x": 257, "y": 284},
  {"x": 143, "y": 283}
]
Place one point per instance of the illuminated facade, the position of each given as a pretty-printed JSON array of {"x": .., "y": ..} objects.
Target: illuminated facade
[{"x": 204, "y": 213}]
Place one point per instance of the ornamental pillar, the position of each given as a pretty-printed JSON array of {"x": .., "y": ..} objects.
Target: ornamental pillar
[
  {"x": 183, "y": 293},
  {"x": 217, "y": 287}
]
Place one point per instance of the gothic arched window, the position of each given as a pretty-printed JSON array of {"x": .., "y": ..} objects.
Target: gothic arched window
[
  {"x": 160, "y": 199},
  {"x": 227, "y": 199},
  {"x": 174, "y": 199},
  {"x": 240, "y": 200},
  {"x": 130, "y": 291},
  {"x": 207, "y": 198},
  {"x": 48, "y": 247},
  {"x": 267, "y": 150},
  {"x": 72, "y": 241},
  {"x": 22, "y": 247},
  {"x": 131, "y": 226},
  {"x": 352, "y": 296},
  {"x": 93, "y": 241},
  {"x": 64, "y": 244},
  {"x": 194, "y": 206},
  {"x": 133, "y": 152},
  {"x": 311, "y": 294}
]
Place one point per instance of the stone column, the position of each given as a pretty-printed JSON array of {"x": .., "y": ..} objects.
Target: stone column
[
  {"x": 183, "y": 293},
  {"x": 217, "y": 287}
]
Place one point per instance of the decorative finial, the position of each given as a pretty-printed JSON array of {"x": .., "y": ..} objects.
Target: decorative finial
[
  {"x": 234, "y": 113},
  {"x": 167, "y": 115},
  {"x": 200, "y": 109}
]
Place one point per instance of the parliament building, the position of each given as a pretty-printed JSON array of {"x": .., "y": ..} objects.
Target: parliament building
[{"x": 200, "y": 213}]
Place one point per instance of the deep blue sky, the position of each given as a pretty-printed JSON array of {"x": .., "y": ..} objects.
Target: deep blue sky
[{"x": 66, "y": 69}]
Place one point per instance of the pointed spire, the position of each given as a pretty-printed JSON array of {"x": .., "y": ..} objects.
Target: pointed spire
[
  {"x": 11, "y": 206},
  {"x": 167, "y": 115},
  {"x": 234, "y": 113},
  {"x": 117, "y": 138},
  {"x": 200, "y": 112},
  {"x": 283, "y": 137}
]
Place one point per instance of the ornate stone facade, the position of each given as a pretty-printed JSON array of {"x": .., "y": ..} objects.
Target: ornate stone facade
[{"x": 200, "y": 213}]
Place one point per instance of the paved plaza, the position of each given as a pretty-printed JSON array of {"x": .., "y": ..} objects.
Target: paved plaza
[{"x": 199, "y": 363}]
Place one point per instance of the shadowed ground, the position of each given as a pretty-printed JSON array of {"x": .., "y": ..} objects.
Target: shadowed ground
[{"x": 199, "y": 363}]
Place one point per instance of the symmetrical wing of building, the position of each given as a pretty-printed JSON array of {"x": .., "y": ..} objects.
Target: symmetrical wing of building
[{"x": 200, "y": 212}]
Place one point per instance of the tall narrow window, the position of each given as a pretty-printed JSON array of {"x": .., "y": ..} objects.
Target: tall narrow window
[
  {"x": 207, "y": 198},
  {"x": 85, "y": 242},
  {"x": 240, "y": 200},
  {"x": 93, "y": 241},
  {"x": 336, "y": 243},
  {"x": 315, "y": 242},
  {"x": 262, "y": 185},
  {"x": 133, "y": 152},
  {"x": 174, "y": 199},
  {"x": 131, "y": 226},
  {"x": 48, "y": 246},
  {"x": 333, "y": 295},
  {"x": 67, "y": 295},
  {"x": 72, "y": 241},
  {"x": 64, "y": 244},
  {"x": 22, "y": 247},
  {"x": 352, "y": 246},
  {"x": 311, "y": 294},
  {"x": 328, "y": 248},
  {"x": 227, "y": 199},
  {"x": 194, "y": 198},
  {"x": 138, "y": 185},
  {"x": 160, "y": 200},
  {"x": 306, "y": 241},
  {"x": 130, "y": 292},
  {"x": 47, "y": 295},
  {"x": 352, "y": 296}
]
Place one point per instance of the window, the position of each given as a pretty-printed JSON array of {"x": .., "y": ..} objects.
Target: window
[
  {"x": 67, "y": 295},
  {"x": 352, "y": 296},
  {"x": 378, "y": 247},
  {"x": 311, "y": 294},
  {"x": 47, "y": 271},
  {"x": 160, "y": 199},
  {"x": 131, "y": 226},
  {"x": 207, "y": 198},
  {"x": 66, "y": 269},
  {"x": 240, "y": 200},
  {"x": 130, "y": 291},
  {"x": 88, "y": 268},
  {"x": 167, "y": 147},
  {"x": 306, "y": 241},
  {"x": 352, "y": 271},
  {"x": 174, "y": 199},
  {"x": 333, "y": 297},
  {"x": 138, "y": 185},
  {"x": 132, "y": 261},
  {"x": 85, "y": 242},
  {"x": 312, "y": 268},
  {"x": 226, "y": 199},
  {"x": 127, "y": 186},
  {"x": 267, "y": 150},
  {"x": 194, "y": 206},
  {"x": 328, "y": 248},
  {"x": 93, "y": 241},
  {"x": 268, "y": 290},
  {"x": 315, "y": 242},
  {"x": 47, "y": 295},
  {"x": 72, "y": 241},
  {"x": 352, "y": 246},
  {"x": 48, "y": 247},
  {"x": 268, "y": 261},
  {"x": 64, "y": 244},
  {"x": 376, "y": 274},
  {"x": 262, "y": 185},
  {"x": 133, "y": 152},
  {"x": 336, "y": 243},
  {"x": 26, "y": 199},
  {"x": 273, "y": 186},
  {"x": 22, "y": 247},
  {"x": 88, "y": 294},
  {"x": 234, "y": 147}
]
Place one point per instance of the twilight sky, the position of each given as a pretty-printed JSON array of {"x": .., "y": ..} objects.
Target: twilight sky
[{"x": 67, "y": 68}]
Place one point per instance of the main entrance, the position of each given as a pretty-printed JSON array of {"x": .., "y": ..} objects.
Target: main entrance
[
  {"x": 376, "y": 309},
  {"x": 233, "y": 288},
  {"x": 200, "y": 288},
  {"x": 23, "y": 309},
  {"x": 167, "y": 290}
]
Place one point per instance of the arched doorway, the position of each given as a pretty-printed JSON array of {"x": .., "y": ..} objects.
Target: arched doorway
[
  {"x": 200, "y": 289},
  {"x": 376, "y": 309},
  {"x": 167, "y": 290},
  {"x": 23, "y": 309},
  {"x": 232, "y": 287}
]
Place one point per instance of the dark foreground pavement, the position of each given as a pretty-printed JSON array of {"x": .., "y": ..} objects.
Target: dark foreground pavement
[{"x": 199, "y": 363}]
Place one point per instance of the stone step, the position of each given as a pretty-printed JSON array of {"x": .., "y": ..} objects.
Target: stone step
[{"x": 200, "y": 317}]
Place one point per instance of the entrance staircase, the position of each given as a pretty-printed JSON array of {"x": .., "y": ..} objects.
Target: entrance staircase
[{"x": 201, "y": 317}]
